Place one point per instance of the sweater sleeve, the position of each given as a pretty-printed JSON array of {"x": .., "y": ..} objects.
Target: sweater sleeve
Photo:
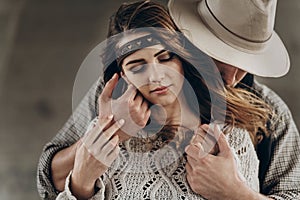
[
  {"x": 67, "y": 193},
  {"x": 71, "y": 132},
  {"x": 280, "y": 155}
]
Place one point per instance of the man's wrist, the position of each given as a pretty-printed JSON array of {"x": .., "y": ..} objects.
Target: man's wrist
[
  {"x": 245, "y": 192},
  {"x": 81, "y": 191},
  {"x": 61, "y": 165}
]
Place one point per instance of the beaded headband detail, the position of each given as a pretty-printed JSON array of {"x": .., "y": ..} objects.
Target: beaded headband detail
[{"x": 134, "y": 45}]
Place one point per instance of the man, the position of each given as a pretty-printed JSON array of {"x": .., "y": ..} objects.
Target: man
[
  {"x": 239, "y": 36},
  {"x": 284, "y": 185}
]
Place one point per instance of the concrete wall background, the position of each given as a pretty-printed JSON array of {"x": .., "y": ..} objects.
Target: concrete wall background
[{"x": 42, "y": 44}]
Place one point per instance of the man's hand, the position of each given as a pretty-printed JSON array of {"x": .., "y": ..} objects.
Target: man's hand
[
  {"x": 216, "y": 176},
  {"x": 99, "y": 148}
]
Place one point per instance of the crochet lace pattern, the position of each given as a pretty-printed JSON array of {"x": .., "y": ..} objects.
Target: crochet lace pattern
[{"x": 140, "y": 173}]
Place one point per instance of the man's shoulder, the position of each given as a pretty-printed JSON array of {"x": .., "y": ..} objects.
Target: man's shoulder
[
  {"x": 282, "y": 117},
  {"x": 270, "y": 97}
]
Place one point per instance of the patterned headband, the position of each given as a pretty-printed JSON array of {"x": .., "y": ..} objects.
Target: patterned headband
[{"x": 134, "y": 45}]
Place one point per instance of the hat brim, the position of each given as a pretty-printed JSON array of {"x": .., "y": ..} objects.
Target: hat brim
[{"x": 272, "y": 62}]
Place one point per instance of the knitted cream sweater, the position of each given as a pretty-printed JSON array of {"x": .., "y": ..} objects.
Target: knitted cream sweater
[{"x": 139, "y": 173}]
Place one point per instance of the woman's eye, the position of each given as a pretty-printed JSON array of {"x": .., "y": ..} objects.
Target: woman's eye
[
  {"x": 137, "y": 69},
  {"x": 166, "y": 57}
]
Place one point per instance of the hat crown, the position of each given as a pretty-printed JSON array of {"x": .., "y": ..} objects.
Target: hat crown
[
  {"x": 252, "y": 20},
  {"x": 237, "y": 32}
]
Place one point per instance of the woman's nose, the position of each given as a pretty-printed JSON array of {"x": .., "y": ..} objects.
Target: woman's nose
[{"x": 156, "y": 74}]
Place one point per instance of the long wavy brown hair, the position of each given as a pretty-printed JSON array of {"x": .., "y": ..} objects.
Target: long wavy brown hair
[{"x": 243, "y": 108}]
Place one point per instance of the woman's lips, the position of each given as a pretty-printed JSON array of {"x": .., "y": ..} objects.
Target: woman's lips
[{"x": 160, "y": 90}]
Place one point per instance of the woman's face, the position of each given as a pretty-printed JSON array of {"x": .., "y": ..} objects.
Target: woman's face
[{"x": 156, "y": 72}]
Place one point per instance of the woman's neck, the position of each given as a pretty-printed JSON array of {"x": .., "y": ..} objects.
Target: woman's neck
[{"x": 177, "y": 113}]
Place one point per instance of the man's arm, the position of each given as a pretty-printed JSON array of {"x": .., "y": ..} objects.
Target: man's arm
[
  {"x": 71, "y": 132},
  {"x": 281, "y": 177},
  {"x": 61, "y": 165}
]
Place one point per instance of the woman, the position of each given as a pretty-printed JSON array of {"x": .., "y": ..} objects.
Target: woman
[{"x": 159, "y": 71}]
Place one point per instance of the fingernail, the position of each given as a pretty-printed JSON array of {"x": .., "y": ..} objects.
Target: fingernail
[
  {"x": 117, "y": 138},
  {"x": 110, "y": 116},
  {"x": 114, "y": 76},
  {"x": 186, "y": 148},
  {"x": 121, "y": 121},
  {"x": 218, "y": 127},
  {"x": 194, "y": 136}
]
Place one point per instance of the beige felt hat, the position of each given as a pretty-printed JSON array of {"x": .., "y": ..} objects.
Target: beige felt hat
[{"x": 238, "y": 32}]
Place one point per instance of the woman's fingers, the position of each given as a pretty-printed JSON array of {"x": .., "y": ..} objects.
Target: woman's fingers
[
  {"x": 207, "y": 140},
  {"x": 145, "y": 106},
  {"x": 130, "y": 93},
  {"x": 108, "y": 89},
  {"x": 139, "y": 111},
  {"x": 147, "y": 115},
  {"x": 222, "y": 141}
]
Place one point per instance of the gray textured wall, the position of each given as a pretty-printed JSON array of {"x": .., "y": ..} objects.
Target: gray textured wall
[{"x": 42, "y": 44}]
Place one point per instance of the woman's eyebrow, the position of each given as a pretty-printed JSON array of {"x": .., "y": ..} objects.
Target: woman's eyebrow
[
  {"x": 141, "y": 60},
  {"x": 134, "y": 61},
  {"x": 160, "y": 52}
]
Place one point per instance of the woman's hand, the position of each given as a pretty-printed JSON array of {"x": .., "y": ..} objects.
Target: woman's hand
[
  {"x": 96, "y": 152},
  {"x": 131, "y": 107},
  {"x": 203, "y": 139}
]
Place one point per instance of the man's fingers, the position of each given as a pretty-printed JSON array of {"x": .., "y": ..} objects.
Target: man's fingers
[
  {"x": 107, "y": 134},
  {"x": 107, "y": 159},
  {"x": 192, "y": 162},
  {"x": 113, "y": 154},
  {"x": 188, "y": 168},
  {"x": 110, "y": 145},
  {"x": 195, "y": 151},
  {"x": 109, "y": 87},
  {"x": 95, "y": 132}
]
